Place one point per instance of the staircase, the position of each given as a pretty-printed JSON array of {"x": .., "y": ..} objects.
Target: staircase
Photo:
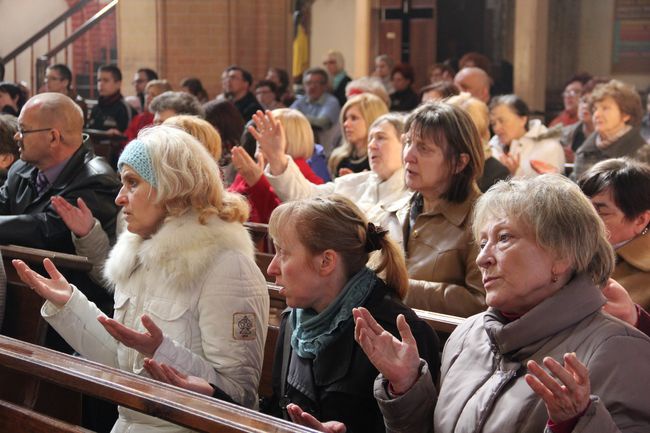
[{"x": 89, "y": 41}]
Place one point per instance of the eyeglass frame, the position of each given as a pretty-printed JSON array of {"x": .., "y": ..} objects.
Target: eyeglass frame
[{"x": 21, "y": 132}]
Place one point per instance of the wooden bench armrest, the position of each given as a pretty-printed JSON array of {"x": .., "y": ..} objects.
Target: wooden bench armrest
[
  {"x": 35, "y": 255},
  {"x": 154, "y": 398}
]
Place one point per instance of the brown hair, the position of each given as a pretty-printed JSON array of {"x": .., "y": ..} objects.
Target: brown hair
[
  {"x": 346, "y": 228},
  {"x": 625, "y": 96}
]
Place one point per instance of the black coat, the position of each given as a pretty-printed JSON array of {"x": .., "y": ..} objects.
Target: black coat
[
  {"x": 29, "y": 220},
  {"x": 342, "y": 374}
]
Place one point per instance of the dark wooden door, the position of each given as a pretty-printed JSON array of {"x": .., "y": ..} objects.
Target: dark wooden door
[{"x": 406, "y": 31}]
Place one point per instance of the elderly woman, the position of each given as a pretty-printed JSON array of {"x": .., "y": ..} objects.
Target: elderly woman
[
  {"x": 170, "y": 104},
  {"x": 443, "y": 158},
  {"x": 379, "y": 192},
  {"x": 187, "y": 290},
  {"x": 356, "y": 115},
  {"x": 526, "y": 147},
  {"x": 620, "y": 191},
  {"x": 544, "y": 257},
  {"x": 334, "y": 63},
  {"x": 250, "y": 180},
  {"x": 152, "y": 89},
  {"x": 617, "y": 112}
]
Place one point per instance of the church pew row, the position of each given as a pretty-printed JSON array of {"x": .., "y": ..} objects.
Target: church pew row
[
  {"x": 12, "y": 416},
  {"x": 198, "y": 412}
]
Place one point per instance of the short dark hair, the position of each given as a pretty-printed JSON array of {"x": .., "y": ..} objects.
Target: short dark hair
[
  {"x": 227, "y": 119},
  {"x": 444, "y": 88},
  {"x": 628, "y": 180},
  {"x": 270, "y": 84},
  {"x": 64, "y": 71},
  {"x": 150, "y": 73},
  {"x": 514, "y": 102},
  {"x": 8, "y": 128},
  {"x": 283, "y": 76},
  {"x": 113, "y": 70},
  {"x": 180, "y": 102},
  {"x": 195, "y": 87},
  {"x": 406, "y": 70},
  {"x": 14, "y": 91},
  {"x": 317, "y": 71},
  {"x": 244, "y": 73},
  {"x": 581, "y": 77},
  {"x": 454, "y": 131}
]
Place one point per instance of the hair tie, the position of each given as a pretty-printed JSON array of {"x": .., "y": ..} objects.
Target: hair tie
[{"x": 374, "y": 236}]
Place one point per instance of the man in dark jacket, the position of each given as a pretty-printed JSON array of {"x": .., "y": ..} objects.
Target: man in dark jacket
[
  {"x": 53, "y": 161},
  {"x": 237, "y": 85},
  {"x": 111, "y": 113}
]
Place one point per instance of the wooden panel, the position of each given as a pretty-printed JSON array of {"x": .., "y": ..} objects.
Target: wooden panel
[
  {"x": 185, "y": 408},
  {"x": 423, "y": 49},
  {"x": 15, "y": 418},
  {"x": 390, "y": 39},
  {"x": 392, "y": 4}
]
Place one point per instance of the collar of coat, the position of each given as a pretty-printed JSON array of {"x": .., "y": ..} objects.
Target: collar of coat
[
  {"x": 637, "y": 252},
  {"x": 180, "y": 251}
]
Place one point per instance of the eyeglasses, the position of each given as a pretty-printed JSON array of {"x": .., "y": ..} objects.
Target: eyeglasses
[
  {"x": 21, "y": 132},
  {"x": 52, "y": 78},
  {"x": 570, "y": 93}
]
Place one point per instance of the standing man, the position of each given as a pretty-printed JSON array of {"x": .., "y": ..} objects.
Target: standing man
[
  {"x": 321, "y": 108},
  {"x": 54, "y": 162},
  {"x": 236, "y": 86},
  {"x": 111, "y": 113},
  {"x": 140, "y": 80}
]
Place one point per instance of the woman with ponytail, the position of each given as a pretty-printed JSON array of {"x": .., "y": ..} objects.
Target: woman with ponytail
[{"x": 321, "y": 377}]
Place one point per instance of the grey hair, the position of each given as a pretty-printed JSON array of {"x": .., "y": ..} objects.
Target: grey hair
[
  {"x": 559, "y": 216},
  {"x": 179, "y": 102}
]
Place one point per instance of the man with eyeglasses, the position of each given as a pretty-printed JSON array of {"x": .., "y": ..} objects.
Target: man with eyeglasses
[
  {"x": 237, "y": 85},
  {"x": 54, "y": 162},
  {"x": 58, "y": 78},
  {"x": 140, "y": 80}
]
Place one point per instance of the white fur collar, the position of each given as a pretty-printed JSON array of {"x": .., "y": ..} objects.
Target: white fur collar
[{"x": 181, "y": 250}]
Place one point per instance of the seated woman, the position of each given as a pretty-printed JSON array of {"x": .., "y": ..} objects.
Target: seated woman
[
  {"x": 442, "y": 159},
  {"x": 379, "y": 193},
  {"x": 152, "y": 89},
  {"x": 544, "y": 258},
  {"x": 619, "y": 189},
  {"x": 12, "y": 98},
  {"x": 250, "y": 180},
  {"x": 617, "y": 112},
  {"x": 356, "y": 115},
  {"x": 404, "y": 98},
  {"x": 187, "y": 290},
  {"x": 526, "y": 147}
]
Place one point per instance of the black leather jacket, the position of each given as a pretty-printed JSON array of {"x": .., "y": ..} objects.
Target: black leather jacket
[{"x": 28, "y": 219}]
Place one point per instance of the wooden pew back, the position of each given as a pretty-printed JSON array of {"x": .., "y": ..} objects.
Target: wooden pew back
[{"x": 201, "y": 413}]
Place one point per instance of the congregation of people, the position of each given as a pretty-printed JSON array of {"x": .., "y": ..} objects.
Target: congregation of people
[{"x": 380, "y": 199}]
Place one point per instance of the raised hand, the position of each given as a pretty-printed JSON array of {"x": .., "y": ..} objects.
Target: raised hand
[
  {"x": 144, "y": 342},
  {"x": 398, "y": 361},
  {"x": 619, "y": 304},
  {"x": 270, "y": 136},
  {"x": 246, "y": 166},
  {"x": 303, "y": 418},
  {"x": 55, "y": 289},
  {"x": 565, "y": 396},
  {"x": 79, "y": 220},
  {"x": 511, "y": 162},
  {"x": 168, "y": 374}
]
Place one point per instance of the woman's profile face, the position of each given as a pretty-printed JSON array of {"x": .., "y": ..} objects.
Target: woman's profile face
[
  {"x": 354, "y": 125},
  {"x": 381, "y": 69},
  {"x": 137, "y": 198},
  {"x": 516, "y": 271},
  {"x": 400, "y": 82},
  {"x": 384, "y": 150},
  {"x": 6, "y": 99},
  {"x": 608, "y": 117},
  {"x": 619, "y": 227},
  {"x": 294, "y": 268},
  {"x": 506, "y": 124}
]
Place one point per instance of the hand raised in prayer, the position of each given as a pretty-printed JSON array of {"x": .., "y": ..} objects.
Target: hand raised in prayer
[
  {"x": 144, "y": 342},
  {"x": 567, "y": 395},
  {"x": 246, "y": 166},
  {"x": 79, "y": 220},
  {"x": 619, "y": 304},
  {"x": 168, "y": 374},
  {"x": 270, "y": 136},
  {"x": 55, "y": 289},
  {"x": 398, "y": 361},
  {"x": 303, "y": 418}
]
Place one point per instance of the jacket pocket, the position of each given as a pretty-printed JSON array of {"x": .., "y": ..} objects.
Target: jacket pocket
[
  {"x": 172, "y": 318},
  {"x": 121, "y": 305}
]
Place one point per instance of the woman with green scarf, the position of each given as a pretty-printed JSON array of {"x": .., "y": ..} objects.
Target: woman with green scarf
[{"x": 321, "y": 376}]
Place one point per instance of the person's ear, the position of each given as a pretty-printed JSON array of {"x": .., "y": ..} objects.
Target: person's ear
[
  {"x": 463, "y": 160},
  {"x": 641, "y": 221},
  {"x": 55, "y": 136},
  {"x": 329, "y": 260},
  {"x": 561, "y": 266},
  {"x": 6, "y": 159}
]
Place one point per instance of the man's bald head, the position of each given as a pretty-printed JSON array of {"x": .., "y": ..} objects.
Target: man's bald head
[
  {"x": 55, "y": 110},
  {"x": 475, "y": 81}
]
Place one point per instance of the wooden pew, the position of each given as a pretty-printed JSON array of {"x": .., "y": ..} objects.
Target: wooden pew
[
  {"x": 12, "y": 416},
  {"x": 23, "y": 321},
  {"x": 201, "y": 413}
]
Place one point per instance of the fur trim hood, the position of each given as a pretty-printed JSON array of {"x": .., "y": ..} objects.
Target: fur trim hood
[{"x": 181, "y": 251}]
